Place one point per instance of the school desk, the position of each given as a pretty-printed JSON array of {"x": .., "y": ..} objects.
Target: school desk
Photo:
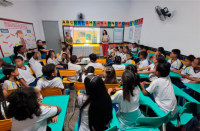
[
  {"x": 62, "y": 102},
  {"x": 173, "y": 74},
  {"x": 134, "y": 54},
  {"x": 193, "y": 86}
]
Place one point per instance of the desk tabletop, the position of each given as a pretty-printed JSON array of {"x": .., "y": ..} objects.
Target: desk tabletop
[{"x": 193, "y": 86}]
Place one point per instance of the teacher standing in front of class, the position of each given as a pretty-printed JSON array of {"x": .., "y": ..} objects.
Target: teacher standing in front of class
[
  {"x": 69, "y": 41},
  {"x": 105, "y": 41}
]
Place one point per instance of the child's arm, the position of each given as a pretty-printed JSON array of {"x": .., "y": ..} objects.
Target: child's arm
[
  {"x": 147, "y": 72},
  {"x": 143, "y": 89},
  {"x": 190, "y": 78},
  {"x": 80, "y": 56},
  {"x": 63, "y": 63},
  {"x": 59, "y": 66},
  {"x": 23, "y": 82},
  {"x": 63, "y": 92},
  {"x": 59, "y": 109},
  {"x": 144, "y": 68}
]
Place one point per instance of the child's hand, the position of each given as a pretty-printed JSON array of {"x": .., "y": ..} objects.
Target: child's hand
[
  {"x": 146, "y": 83},
  {"x": 81, "y": 55},
  {"x": 117, "y": 89},
  {"x": 54, "y": 119}
]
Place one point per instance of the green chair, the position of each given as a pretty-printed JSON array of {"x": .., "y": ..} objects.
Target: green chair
[
  {"x": 12, "y": 57},
  {"x": 62, "y": 102},
  {"x": 144, "y": 75},
  {"x": 175, "y": 75},
  {"x": 151, "y": 54},
  {"x": 125, "y": 64},
  {"x": 166, "y": 59},
  {"x": 2, "y": 76},
  {"x": 7, "y": 60},
  {"x": 26, "y": 63},
  {"x": 1, "y": 71}
]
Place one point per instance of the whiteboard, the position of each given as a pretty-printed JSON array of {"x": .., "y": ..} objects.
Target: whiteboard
[
  {"x": 129, "y": 34},
  {"x": 110, "y": 32},
  {"x": 14, "y": 33}
]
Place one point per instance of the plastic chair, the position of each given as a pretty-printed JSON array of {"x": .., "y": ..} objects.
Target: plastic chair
[
  {"x": 31, "y": 70},
  {"x": 67, "y": 73},
  {"x": 98, "y": 71},
  {"x": 112, "y": 86},
  {"x": 44, "y": 61},
  {"x": 79, "y": 86},
  {"x": 5, "y": 125},
  {"x": 10, "y": 91},
  {"x": 12, "y": 58},
  {"x": 57, "y": 55},
  {"x": 119, "y": 73},
  {"x": 96, "y": 50},
  {"x": 50, "y": 91},
  {"x": 7, "y": 60},
  {"x": 102, "y": 61}
]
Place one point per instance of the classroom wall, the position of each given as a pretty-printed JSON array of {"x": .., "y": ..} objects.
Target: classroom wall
[
  {"x": 182, "y": 32},
  {"x": 23, "y": 11},
  {"x": 95, "y": 10}
]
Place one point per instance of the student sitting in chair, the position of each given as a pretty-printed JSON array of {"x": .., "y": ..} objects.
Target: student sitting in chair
[
  {"x": 175, "y": 62},
  {"x": 109, "y": 75},
  {"x": 95, "y": 105},
  {"x": 144, "y": 62},
  {"x": 93, "y": 58},
  {"x": 51, "y": 80},
  {"x": 118, "y": 65},
  {"x": 129, "y": 58},
  {"x": 133, "y": 48},
  {"x": 124, "y": 58},
  {"x": 146, "y": 49},
  {"x": 62, "y": 60},
  {"x": 162, "y": 89},
  {"x": 128, "y": 99},
  {"x": 88, "y": 72},
  {"x": 112, "y": 59},
  {"x": 50, "y": 59},
  {"x": 21, "y": 51},
  {"x": 25, "y": 77}
]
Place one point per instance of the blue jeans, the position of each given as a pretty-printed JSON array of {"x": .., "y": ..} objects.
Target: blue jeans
[
  {"x": 34, "y": 83},
  {"x": 43, "y": 56},
  {"x": 67, "y": 91},
  {"x": 150, "y": 95}
]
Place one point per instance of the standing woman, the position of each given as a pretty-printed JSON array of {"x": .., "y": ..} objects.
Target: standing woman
[
  {"x": 105, "y": 40},
  {"x": 69, "y": 41}
]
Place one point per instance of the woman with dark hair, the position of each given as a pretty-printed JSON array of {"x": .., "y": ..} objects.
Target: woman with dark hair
[
  {"x": 128, "y": 99},
  {"x": 69, "y": 41},
  {"x": 105, "y": 40},
  {"x": 96, "y": 105},
  {"x": 3, "y": 104},
  {"x": 27, "y": 112},
  {"x": 41, "y": 49},
  {"x": 110, "y": 76}
]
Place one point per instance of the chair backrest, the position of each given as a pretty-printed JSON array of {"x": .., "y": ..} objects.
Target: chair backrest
[
  {"x": 119, "y": 72},
  {"x": 112, "y": 86},
  {"x": 51, "y": 91},
  {"x": 133, "y": 62},
  {"x": 98, "y": 71},
  {"x": 67, "y": 72},
  {"x": 12, "y": 57},
  {"x": 57, "y": 55},
  {"x": 10, "y": 91},
  {"x": 7, "y": 60},
  {"x": 44, "y": 61},
  {"x": 96, "y": 48},
  {"x": 153, "y": 122},
  {"x": 102, "y": 61},
  {"x": 31, "y": 70},
  {"x": 5, "y": 125},
  {"x": 189, "y": 108},
  {"x": 114, "y": 128},
  {"x": 79, "y": 86}
]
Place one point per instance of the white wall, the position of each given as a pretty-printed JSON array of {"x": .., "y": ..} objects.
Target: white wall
[
  {"x": 182, "y": 32},
  {"x": 23, "y": 11},
  {"x": 95, "y": 10}
]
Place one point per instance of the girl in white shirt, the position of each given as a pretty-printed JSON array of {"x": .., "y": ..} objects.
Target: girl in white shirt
[
  {"x": 3, "y": 104},
  {"x": 50, "y": 59},
  {"x": 118, "y": 65},
  {"x": 27, "y": 113},
  {"x": 95, "y": 110},
  {"x": 21, "y": 51},
  {"x": 128, "y": 99}
]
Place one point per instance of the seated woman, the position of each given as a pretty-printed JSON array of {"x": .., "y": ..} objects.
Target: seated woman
[
  {"x": 128, "y": 99},
  {"x": 96, "y": 111},
  {"x": 27, "y": 111},
  {"x": 3, "y": 103},
  {"x": 41, "y": 49}
]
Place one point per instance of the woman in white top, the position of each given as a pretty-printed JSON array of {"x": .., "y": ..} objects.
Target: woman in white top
[
  {"x": 96, "y": 105},
  {"x": 26, "y": 111},
  {"x": 128, "y": 99},
  {"x": 105, "y": 40},
  {"x": 3, "y": 103}
]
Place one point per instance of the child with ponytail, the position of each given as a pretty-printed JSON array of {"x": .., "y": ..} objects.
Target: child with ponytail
[{"x": 20, "y": 51}]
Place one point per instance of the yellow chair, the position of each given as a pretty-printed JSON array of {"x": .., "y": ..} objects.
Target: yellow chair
[
  {"x": 57, "y": 55},
  {"x": 5, "y": 125},
  {"x": 112, "y": 86},
  {"x": 10, "y": 91},
  {"x": 44, "y": 61},
  {"x": 96, "y": 50},
  {"x": 67, "y": 73},
  {"x": 98, "y": 71},
  {"x": 51, "y": 91},
  {"x": 79, "y": 86},
  {"x": 119, "y": 73},
  {"x": 31, "y": 70},
  {"x": 102, "y": 61},
  {"x": 133, "y": 62}
]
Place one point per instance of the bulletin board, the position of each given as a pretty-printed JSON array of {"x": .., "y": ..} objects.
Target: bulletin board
[{"x": 14, "y": 33}]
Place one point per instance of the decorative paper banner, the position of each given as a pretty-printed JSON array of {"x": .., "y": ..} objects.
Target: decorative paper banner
[
  {"x": 90, "y": 23},
  {"x": 105, "y": 23},
  {"x": 119, "y": 24},
  {"x": 130, "y": 23},
  {"x": 126, "y": 24},
  {"x": 140, "y": 21},
  {"x": 86, "y": 23},
  {"x": 75, "y": 23},
  {"x": 136, "y": 22},
  {"x": 112, "y": 23},
  {"x": 79, "y": 23},
  {"x": 109, "y": 23},
  {"x": 63, "y": 22},
  {"x": 94, "y": 23},
  {"x": 123, "y": 24},
  {"x": 133, "y": 23},
  {"x": 67, "y": 22},
  {"x": 116, "y": 24},
  {"x": 82, "y": 23},
  {"x": 98, "y": 23},
  {"x": 71, "y": 22}
]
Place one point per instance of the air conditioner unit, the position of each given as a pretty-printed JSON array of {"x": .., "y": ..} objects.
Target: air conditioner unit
[{"x": 6, "y": 2}]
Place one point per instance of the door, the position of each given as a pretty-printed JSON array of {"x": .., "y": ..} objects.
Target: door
[{"x": 52, "y": 36}]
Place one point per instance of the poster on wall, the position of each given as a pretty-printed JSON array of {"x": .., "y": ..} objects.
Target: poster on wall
[
  {"x": 137, "y": 33},
  {"x": 118, "y": 35},
  {"x": 15, "y": 33},
  {"x": 131, "y": 33}
]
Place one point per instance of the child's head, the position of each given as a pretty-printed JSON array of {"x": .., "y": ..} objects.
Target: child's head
[
  {"x": 110, "y": 76},
  {"x": 64, "y": 49},
  {"x": 175, "y": 53},
  {"x": 90, "y": 69},
  {"x": 49, "y": 70},
  {"x": 120, "y": 49},
  {"x": 145, "y": 48},
  {"x": 126, "y": 49},
  {"x": 188, "y": 60},
  {"x": 131, "y": 68},
  {"x": 111, "y": 46},
  {"x": 143, "y": 55},
  {"x": 19, "y": 49},
  {"x": 32, "y": 54},
  {"x": 39, "y": 42},
  {"x": 141, "y": 47},
  {"x": 159, "y": 59},
  {"x": 161, "y": 50},
  {"x": 118, "y": 60},
  {"x": 93, "y": 57},
  {"x": 19, "y": 61},
  {"x": 129, "y": 81},
  {"x": 10, "y": 70},
  {"x": 23, "y": 104},
  {"x": 163, "y": 69},
  {"x": 134, "y": 45},
  {"x": 73, "y": 59},
  {"x": 129, "y": 56},
  {"x": 68, "y": 46},
  {"x": 196, "y": 63},
  {"x": 64, "y": 56},
  {"x": 116, "y": 48},
  {"x": 51, "y": 54}
]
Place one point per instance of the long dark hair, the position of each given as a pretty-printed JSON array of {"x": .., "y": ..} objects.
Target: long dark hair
[
  {"x": 111, "y": 76},
  {"x": 105, "y": 32},
  {"x": 49, "y": 55},
  {"x": 3, "y": 104},
  {"x": 7, "y": 70},
  {"x": 118, "y": 60},
  {"x": 23, "y": 104},
  {"x": 17, "y": 49},
  {"x": 100, "y": 110},
  {"x": 133, "y": 70},
  {"x": 162, "y": 50},
  {"x": 90, "y": 69}
]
